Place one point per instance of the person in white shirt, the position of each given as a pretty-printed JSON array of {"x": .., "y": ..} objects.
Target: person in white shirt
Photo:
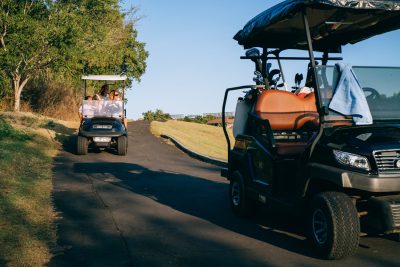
[{"x": 87, "y": 108}]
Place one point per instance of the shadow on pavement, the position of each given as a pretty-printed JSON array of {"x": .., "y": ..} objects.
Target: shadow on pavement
[
  {"x": 155, "y": 235},
  {"x": 86, "y": 233},
  {"x": 204, "y": 199},
  {"x": 208, "y": 200}
]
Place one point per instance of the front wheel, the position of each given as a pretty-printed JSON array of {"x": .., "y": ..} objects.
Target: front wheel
[
  {"x": 122, "y": 144},
  {"x": 82, "y": 146},
  {"x": 334, "y": 225}
]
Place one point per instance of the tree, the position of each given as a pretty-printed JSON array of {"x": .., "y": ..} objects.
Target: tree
[
  {"x": 104, "y": 40},
  {"x": 134, "y": 55},
  {"x": 25, "y": 49},
  {"x": 62, "y": 39}
]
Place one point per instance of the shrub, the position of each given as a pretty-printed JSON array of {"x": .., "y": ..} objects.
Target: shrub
[
  {"x": 157, "y": 115},
  {"x": 199, "y": 119}
]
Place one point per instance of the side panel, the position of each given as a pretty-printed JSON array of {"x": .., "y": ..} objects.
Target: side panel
[{"x": 254, "y": 161}]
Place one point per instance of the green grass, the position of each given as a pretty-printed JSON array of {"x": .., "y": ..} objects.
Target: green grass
[
  {"x": 27, "y": 218},
  {"x": 204, "y": 139}
]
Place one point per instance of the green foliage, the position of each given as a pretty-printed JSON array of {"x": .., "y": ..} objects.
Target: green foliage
[
  {"x": 7, "y": 131},
  {"x": 96, "y": 38},
  {"x": 5, "y": 89},
  {"x": 58, "y": 41},
  {"x": 24, "y": 40},
  {"x": 157, "y": 115},
  {"x": 199, "y": 119}
]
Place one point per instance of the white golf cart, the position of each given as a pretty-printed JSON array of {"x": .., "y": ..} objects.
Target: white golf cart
[{"x": 103, "y": 118}]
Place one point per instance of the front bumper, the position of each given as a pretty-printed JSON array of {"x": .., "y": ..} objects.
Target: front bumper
[
  {"x": 382, "y": 214},
  {"x": 101, "y": 133},
  {"x": 102, "y": 144},
  {"x": 355, "y": 180}
]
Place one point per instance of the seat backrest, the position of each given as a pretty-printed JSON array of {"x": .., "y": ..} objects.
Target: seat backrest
[{"x": 287, "y": 111}]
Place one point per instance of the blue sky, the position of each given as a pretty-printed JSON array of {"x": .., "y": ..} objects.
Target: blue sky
[{"x": 193, "y": 57}]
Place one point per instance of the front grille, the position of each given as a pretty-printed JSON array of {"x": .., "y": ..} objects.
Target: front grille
[
  {"x": 388, "y": 162},
  {"x": 396, "y": 214}
]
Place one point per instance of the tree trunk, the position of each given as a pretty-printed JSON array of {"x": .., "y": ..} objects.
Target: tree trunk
[{"x": 18, "y": 86}]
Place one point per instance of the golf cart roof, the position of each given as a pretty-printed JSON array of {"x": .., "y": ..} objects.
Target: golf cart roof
[
  {"x": 333, "y": 23},
  {"x": 105, "y": 77}
]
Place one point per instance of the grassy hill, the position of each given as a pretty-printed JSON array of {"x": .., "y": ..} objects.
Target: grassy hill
[
  {"x": 28, "y": 144},
  {"x": 204, "y": 139}
]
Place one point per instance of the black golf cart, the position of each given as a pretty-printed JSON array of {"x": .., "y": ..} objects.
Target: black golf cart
[
  {"x": 301, "y": 153},
  {"x": 103, "y": 122}
]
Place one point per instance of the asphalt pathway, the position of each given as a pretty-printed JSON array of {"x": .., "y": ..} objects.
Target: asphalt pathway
[{"x": 159, "y": 207}]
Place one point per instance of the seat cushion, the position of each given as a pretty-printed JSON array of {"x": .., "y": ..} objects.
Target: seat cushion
[
  {"x": 286, "y": 111},
  {"x": 291, "y": 121}
]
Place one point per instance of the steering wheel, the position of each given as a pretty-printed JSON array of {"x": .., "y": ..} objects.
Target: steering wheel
[{"x": 371, "y": 93}]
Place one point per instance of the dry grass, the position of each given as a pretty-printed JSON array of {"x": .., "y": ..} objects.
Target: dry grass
[
  {"x": 27, "y": 229},
  {"x": 7, "y": 104},
  {"x": 50, "y": 98},
  {"x": 204, "y": 139}
]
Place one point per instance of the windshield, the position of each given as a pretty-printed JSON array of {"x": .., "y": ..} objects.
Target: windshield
[
  {"x": 102, "y": 108},
  {"x": 381, "y": 86}
]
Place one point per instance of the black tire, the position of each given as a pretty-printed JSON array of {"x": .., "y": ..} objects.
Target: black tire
[
  {"x": 239, "y": 200},
  {"x": 334, "y": 225},
  {"x": 82, "y": 146},
  {"x": 122, "y": 144}
]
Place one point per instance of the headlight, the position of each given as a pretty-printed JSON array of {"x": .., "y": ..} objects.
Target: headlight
[{"x": 352, "y": 160}]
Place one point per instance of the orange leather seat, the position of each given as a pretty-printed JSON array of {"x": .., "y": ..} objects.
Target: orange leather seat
[{"x": 287, "y": 112}]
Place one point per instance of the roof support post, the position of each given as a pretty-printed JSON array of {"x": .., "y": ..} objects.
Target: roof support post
[
  {"x": 83, "y": 97},
  {"x": 264, "y": 67},
  {"x": 320, "y": 108},
  {"x": 325, "y": 58},
  {"x": 313, "y": 64},
  {"x": 264, "y": 62},
  {"x": 84, "y": 89},
  {"x": 309, "y": 40},
  {"x": 277, "y": 52},
  {"x": 123, "y": 99}
]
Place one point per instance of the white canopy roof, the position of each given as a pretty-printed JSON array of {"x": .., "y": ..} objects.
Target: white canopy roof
[{"x": 105, "y": 77}]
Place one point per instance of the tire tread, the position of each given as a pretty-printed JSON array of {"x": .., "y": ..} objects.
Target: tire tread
[
  {"x": 345, "y": 225},
  {"x": 122, "y": 145},
  {"x": 82, "y": 145}
]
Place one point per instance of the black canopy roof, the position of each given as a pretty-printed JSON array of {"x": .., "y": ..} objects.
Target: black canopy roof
[{"x": 333, "y": 23}]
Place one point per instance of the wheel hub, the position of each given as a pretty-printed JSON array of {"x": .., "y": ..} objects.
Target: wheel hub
[
  {"x": 235, "y": 193},
  {"x": 320, "y": 226}
]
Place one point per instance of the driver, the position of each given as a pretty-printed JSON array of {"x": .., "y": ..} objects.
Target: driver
[{"x": 114, "y": 95}]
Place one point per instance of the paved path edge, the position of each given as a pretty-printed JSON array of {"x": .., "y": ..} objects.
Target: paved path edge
[{"x": 193, "y": 154}]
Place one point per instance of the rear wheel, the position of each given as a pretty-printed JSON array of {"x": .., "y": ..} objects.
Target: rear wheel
[
  {"x": 239, "y": 199},
  {"x": 334, "y": 225},
  {"x": 122, "y": 144},
  {"x": 82, "y": 146}
]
